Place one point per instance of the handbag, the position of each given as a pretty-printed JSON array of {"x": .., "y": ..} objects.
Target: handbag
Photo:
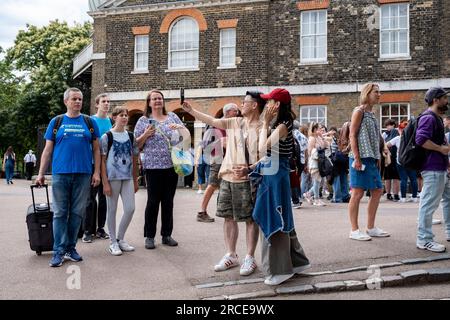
[{"x": 182, "y": 160}]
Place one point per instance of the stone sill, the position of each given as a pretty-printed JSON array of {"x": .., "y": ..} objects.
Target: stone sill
[
  {"x": 313, "y": 63},
  {"x": 404, "y": 58},
  {"x": 227, "y": 67},
  {"x": 140, "y": 72},
  {"x": 182, "y": 70}
]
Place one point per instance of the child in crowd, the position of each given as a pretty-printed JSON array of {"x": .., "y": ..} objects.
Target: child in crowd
[{"x": 120, "y": 177}]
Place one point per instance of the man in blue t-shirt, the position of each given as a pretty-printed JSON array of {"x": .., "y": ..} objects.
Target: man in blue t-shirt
[
  {"x": 94, "y": 221},
  {"x": 71, "y": 152}
]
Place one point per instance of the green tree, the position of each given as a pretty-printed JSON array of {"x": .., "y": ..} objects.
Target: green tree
[
  {"x": 45, "y": 55},
  {"x": 9, "y": 93}
]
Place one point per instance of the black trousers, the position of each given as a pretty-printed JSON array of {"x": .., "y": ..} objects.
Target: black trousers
[
  {"x": 95, "y": 213},
  {"x": 29, "y": 166},
  {"x": 161, "y": 187}
]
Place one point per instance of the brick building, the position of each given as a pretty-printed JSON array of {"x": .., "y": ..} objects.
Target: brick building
[{"x": 322, "y": 51}]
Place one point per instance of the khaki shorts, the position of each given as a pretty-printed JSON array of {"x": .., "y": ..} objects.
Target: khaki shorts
[
  {"x": 214, "y": 179},
  {"x": 235, "y": 201}
]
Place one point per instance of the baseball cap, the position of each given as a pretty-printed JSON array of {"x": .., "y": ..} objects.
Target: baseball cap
[
  {"x": 434, "y": 93},
  {"x": 278, "y": 94}
]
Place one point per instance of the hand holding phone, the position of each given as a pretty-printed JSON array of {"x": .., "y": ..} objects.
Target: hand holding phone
[
  {"x": 363, "y": 166},
  {"x": 181, "y": 96}
]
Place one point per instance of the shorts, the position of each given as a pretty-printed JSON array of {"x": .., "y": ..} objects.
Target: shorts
[
  {"x": 235, "y": 201},
  {"x": 202, "y": 173},
  {"x": 369, "y": 179},
  {"x": 214, "y": 179},
  {"x": 391, "y": 172}
]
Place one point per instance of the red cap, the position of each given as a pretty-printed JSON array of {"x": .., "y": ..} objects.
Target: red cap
[{"x": 278, "y": 94}]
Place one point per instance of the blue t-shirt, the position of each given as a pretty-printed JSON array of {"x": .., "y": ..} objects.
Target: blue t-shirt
[
  {"x": 72, "y": 152},
  {"x": 104, "y": 124}
]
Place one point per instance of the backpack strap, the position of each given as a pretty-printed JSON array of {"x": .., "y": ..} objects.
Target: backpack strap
[
  {"x": 109, "y": 137},
  {"x": 88, "y": 121},
  {"x": 58, "y": 121}
]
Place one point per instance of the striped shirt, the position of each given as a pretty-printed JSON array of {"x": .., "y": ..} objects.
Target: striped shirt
[{"x": 284, "y": 147}]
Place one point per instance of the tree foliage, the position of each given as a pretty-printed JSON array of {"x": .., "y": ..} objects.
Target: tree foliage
[{"x": 43, "y": 57}]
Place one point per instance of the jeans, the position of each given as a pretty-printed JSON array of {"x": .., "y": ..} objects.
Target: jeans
[
  {"x": 315, "y": 190},
  {"x": 295, "y": 196},
  {"x": 306, "y": 183},
  {"x": 436, "y": 186},
  {"x": 404, "y": 175},
  {"x": 340, "y": 187},
  {"x": 9, "y": 172},
  {"x": 70, "y": 194}
]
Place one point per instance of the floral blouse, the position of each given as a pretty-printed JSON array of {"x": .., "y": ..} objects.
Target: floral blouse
[{"x": 156, "y": 148}]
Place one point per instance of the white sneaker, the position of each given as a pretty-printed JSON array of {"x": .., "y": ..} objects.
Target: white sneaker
[
  {"x": 415, "y": 200},
  {"x": 114, "y": 249},
  {"x": 301, "y": 269},
  {"x": 308, "y": 197},
  {"x": 431, "y": 246},
  {"x": 200, "y": 192},
  {"x": 319, "y": 203},
  {"x": 248, "y": 267},
  {"x": 274, "y": 280},
  {"x": 226, "y": 263},
  {"x": 377, "y": 232},
  {"x": 125, "y": 247},
  {"x": 403, "y": 200},
  {"x": 436, "y": 221},
  {"x": 358, "y": 235}
]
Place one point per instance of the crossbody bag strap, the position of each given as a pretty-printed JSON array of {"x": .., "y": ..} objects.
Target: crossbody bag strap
[{"x": 244, "y": 144}]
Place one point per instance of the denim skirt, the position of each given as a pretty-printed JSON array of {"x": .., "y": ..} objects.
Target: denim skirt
[
  {"x": 367, "y": 179},
  {"x": 273, "y": 209}
]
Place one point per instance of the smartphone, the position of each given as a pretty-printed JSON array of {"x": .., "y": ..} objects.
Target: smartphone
[
  {"x": 181, "y": 96},
  {"x": 363, "y": 166},
  {"x": 152, "y": 122}
]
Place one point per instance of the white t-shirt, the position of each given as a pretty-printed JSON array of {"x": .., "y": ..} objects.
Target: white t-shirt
[{"x": 396, "y": 142}]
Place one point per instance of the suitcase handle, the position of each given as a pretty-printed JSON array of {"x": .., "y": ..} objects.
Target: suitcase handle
[{"x": 32, "y": 187}]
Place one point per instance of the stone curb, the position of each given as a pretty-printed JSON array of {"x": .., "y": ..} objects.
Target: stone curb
[{"x": 412, "y": 277}]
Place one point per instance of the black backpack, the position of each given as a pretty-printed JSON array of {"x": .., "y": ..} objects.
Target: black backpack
[
  {"x": 87, "y": 120},
  {"x": 294, "y": 161},
  {"x": 412, "y": 156},
  {"x": 325, "y": 164}
]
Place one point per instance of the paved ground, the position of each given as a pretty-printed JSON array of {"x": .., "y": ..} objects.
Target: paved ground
[{"x": 176, "y": 273}]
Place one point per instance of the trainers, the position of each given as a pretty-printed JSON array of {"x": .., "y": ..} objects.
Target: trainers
[
  {"x": 377, "y": 232},
  {"x": 274, "y": 280},
  {"x": 301, "y": 269},
  {"x": 200, "y": 192},
  {"x": 57, "y": 260},
  {"x": 150, "y": 243},
  {"x": 396, "y": 198},
  {"x": 297, "y": 205},
  {"x": 124, "y": 246},
  {"x": 114, "y": 249},
  {"x": 358, "y": 235},
  {"x": 169, "y": 241},
  {"x": 226, "y": 262},
  {"x": 203, "y": 216},
  {"x": 87, "y": 238},
  {"x": 431, "y": 246},
  {"x": 308, "y": 197},
  {"x": 248, "y": 267},
  {"x": 436, "y": 221},
  {"x": 73, "y": 255},
  {"x": 403, "y": 200},
  {"x": 319, "y": 203},
  {"x": 102, "y": 234},
  {"x": 415, "y": 200}
]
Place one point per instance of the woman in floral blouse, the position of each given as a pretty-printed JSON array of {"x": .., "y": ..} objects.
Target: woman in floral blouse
[{"x": 154, "y": 131}]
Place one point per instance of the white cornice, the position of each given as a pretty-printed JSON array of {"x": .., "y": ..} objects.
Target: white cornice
[
  {"x": 166, "y": 6},
  {"x": 316, "y": 89}
]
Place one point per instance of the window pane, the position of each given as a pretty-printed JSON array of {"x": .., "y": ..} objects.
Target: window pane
[
  {"x": 404, "y": 110},
  {"x": 403, "y": 10},
  {"x": 394, "y": 109},
  {"x": 322, "y": 27}
]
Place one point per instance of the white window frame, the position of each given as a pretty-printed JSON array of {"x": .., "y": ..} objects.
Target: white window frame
[
  {"x": 388, "y": 10},
  {"x": 316, "y": 118},
  {"x": 169, "y": 60},
  {"x": 144, "y": 52},
  {"x": 314, "y": 36},
  {"x": 222, "y": 46},
  {"x": 398, "y": 117}
]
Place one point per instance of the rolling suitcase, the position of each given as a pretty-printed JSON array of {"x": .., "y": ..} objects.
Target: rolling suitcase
[{"x": 40, "y": 224}]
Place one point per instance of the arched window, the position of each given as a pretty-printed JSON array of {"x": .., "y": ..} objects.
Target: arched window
[{"x": 184, "y": 44}]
